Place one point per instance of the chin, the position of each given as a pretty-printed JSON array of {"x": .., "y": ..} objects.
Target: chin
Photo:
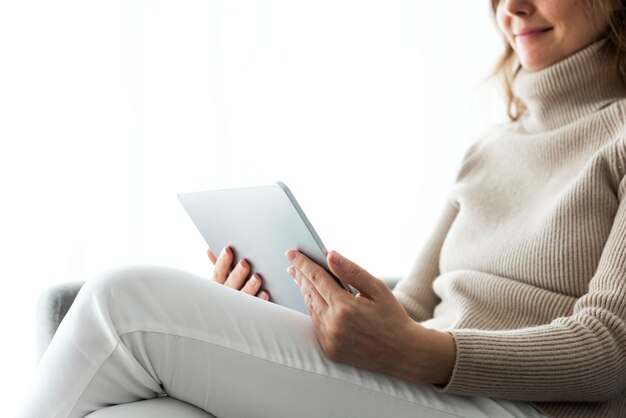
[{"x": 536, "y": 64}]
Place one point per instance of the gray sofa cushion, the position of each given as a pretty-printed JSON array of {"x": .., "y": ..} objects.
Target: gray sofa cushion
[{"x": 52, "y": 306}]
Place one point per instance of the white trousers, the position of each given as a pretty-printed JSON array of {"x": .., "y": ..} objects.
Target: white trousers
[{"x": 139, "y": 332}]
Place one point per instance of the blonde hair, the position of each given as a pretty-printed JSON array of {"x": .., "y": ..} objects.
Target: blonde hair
[{"x": 614, "y": 51}]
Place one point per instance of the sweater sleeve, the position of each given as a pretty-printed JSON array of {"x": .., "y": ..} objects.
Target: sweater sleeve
[
  {"x": 415, "y": 291},
  {"x": 581, "y": 357}
]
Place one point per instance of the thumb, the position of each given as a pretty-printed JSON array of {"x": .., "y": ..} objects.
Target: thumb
[{"x": 351, "y": 273}]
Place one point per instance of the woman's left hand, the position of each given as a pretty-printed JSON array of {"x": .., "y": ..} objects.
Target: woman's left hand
[{"x": 370, "y": 330}]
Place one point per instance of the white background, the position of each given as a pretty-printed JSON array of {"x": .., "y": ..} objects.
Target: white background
[{"x": 108, "y": 109}]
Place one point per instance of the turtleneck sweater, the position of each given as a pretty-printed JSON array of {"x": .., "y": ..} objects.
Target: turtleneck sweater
[{"x": 526, "y": 266}]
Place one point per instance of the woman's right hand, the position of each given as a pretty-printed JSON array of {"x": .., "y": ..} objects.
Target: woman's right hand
[{"x": 238, "y": 277}]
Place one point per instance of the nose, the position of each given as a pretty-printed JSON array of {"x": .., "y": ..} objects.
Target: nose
[{"x": 518, "y": 7}]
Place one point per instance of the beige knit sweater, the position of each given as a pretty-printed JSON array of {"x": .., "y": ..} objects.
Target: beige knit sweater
[{"x": 526, "y": 267}]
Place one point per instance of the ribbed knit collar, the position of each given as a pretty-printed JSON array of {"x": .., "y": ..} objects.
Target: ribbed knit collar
[{"x": 567, "y": 90}]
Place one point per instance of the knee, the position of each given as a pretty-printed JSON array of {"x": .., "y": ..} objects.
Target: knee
[{"x": 124, "y": 280}]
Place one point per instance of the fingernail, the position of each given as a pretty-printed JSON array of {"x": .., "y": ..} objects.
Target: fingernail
[
  {"x": 291, "y": 254},
  {"x": 253, "y": 279},
  {"x": 243, "y": 263},
  {"x": 336, "y": 258},
  {"x": 292, "y": 271}
]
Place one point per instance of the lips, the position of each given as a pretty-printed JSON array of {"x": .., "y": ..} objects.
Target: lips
[{"x": 531, "y": 31}]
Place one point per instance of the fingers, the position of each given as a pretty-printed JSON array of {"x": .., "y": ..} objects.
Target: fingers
[
  {"x": 323, "y": 282},
  {"x": 313, "y": 300},
  {"x": 253, "y": 285},
  {"x": 222, "y": 273},
  {"x": 222, "y": 266},
  {"x": 238, "y": 276},
  {"x": 212, "y": 256},
  {"x": 317, "y": 326},
  {"x": 349, "y": 272}
]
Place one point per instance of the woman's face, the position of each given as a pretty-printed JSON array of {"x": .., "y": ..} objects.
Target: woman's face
[{"x": 543, "y": 32}]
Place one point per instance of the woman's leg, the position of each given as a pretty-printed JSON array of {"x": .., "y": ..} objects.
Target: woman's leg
[{"x": 140, "y": 332}]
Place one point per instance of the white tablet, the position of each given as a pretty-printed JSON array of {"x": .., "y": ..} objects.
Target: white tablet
[{"x": 259, "y": 224}]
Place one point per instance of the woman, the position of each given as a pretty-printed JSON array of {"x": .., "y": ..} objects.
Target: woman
[{"x": 517, "y": 300}]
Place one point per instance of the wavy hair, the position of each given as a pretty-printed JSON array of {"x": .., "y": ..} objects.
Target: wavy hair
[{"x": 614, "y": 50}]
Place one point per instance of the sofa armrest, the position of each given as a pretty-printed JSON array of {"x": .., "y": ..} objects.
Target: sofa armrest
[{"x": 52, "y": 306}]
